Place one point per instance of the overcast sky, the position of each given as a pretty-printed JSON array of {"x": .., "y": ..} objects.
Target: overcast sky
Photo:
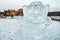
[{"x": 16, "y": 4}]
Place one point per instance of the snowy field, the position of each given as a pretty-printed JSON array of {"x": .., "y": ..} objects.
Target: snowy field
[
  {"x": 57, "y": 18},
  {"x": 10, "y": 30}
]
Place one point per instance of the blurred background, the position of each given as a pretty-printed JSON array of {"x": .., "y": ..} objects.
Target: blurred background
[{"x": 13, "y": 6}]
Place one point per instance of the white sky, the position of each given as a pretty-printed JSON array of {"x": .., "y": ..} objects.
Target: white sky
[{"x": 16, "y": 4}]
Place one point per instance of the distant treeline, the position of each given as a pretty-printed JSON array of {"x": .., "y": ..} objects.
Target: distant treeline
[{"x": 53, "y": 13}]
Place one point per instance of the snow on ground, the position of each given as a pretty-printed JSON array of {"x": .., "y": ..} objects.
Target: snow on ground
[
  {"x": 11, "y": 26},
  {"x": 50, "y": 33}
]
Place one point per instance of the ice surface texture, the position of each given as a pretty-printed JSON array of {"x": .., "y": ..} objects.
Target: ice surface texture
[
  {"x": 36, "y": 14},
  {"x": 36, "y": 9},
  {"x": 35, "y": 21}
]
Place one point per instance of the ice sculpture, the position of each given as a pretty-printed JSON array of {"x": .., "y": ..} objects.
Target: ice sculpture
[
  {"x": 35, "y": 21},
  {"x": 36, "y": 14},
  {"x": 36, "y": 7},
  {"x": 31, "y": 27}
]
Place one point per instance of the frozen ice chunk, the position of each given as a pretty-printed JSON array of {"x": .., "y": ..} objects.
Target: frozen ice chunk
[
  {"x": 36, "y": 9},
  {"x": 36, "y": 12},
  {"x": 35, "y": 21}
]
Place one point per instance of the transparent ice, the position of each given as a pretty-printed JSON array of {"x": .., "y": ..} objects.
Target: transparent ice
[{"x": 35, "y": 21}]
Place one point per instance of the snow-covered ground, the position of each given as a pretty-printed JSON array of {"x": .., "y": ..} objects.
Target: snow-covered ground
[
  {"x": 10, "y": 28},
  {"x": 50, "y": 33},
  {"x": 56, "y": 18}
]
